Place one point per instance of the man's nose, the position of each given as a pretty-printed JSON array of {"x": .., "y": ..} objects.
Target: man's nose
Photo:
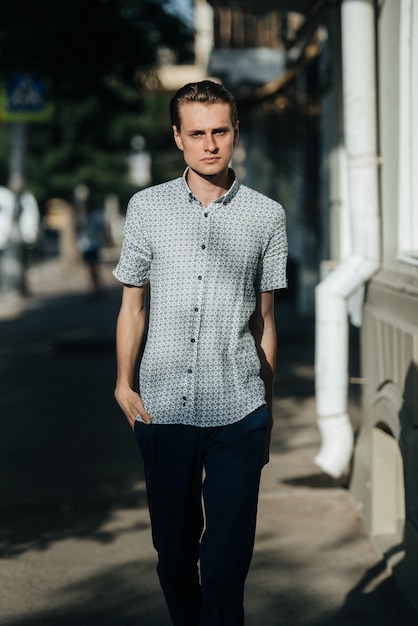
[{"x": 210, "y": 143}]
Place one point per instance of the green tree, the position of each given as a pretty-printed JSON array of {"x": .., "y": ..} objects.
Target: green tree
[
  {"x": 78, "y": 44},
  {"x": 92, "y": 56}
]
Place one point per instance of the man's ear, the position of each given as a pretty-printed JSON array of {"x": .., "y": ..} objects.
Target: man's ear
[{"x": 177, "y": 138}]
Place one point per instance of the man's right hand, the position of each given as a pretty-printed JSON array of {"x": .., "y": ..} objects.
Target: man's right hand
[{"x": 131, "y": 404}]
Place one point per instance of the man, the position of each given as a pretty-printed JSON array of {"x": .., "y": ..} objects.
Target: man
[{"x": 212, "y": 252}]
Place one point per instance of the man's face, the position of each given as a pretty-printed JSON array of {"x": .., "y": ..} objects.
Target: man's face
[{"x": 206, "y": 137}]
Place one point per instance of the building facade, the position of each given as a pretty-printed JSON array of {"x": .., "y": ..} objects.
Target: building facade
[{"x": 331, "y": 130}]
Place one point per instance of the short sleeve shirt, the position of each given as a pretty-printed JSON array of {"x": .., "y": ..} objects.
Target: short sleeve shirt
[{"x": 204, "y": 266}]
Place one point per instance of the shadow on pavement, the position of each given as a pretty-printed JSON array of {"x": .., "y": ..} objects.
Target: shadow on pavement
[
  {"x": 119, "y": 596},
  {"x": 383, "y": 605},
  {"x": 66, "y": 457}
]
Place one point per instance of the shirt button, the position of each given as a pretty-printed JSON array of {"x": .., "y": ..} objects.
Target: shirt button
[
  {"x": 184, "y": 398},
  {"x": 203, "y": 247},
  {"x": 205, "y": 214},
  {"x": 196, "y": 309},
  {"x": 192, "y": 340},
  {"x": 189, "y": 371},
  {"x": 199, "y": 278}
]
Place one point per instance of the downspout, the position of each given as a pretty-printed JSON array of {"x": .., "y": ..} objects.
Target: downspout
[{"x": 332, "y": 293}]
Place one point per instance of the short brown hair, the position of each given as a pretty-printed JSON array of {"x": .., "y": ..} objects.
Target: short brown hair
[{"x": 205, "y": 91}]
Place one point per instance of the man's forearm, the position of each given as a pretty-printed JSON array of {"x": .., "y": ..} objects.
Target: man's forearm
[
  {"x": 267, "y": 354},
  {"x": 263, "y": 328},
  {"x": 129, "y": 337},
  {"x": 130, "y": 329}
]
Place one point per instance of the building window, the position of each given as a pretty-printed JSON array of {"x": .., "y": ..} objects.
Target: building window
[{"x": 408, "y": 134}]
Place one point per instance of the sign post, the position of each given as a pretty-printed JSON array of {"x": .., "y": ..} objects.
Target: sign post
[{"x": 22, "y": 102}]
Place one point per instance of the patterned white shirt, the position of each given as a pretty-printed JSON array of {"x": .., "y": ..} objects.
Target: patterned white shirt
[{"x": 204, "y": 266}]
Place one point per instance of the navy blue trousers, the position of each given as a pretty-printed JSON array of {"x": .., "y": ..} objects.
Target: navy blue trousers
[{"x": 202, "y": 488}]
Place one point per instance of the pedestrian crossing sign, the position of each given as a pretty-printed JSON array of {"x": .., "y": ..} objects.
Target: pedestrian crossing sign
[{"x": 23, "y": 100}]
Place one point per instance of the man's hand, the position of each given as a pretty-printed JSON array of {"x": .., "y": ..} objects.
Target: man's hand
[
  {"x": 131, "y": 404},
  {"x": 266, "y": 457}
]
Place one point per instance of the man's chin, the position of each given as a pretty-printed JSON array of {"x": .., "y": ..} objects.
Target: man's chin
[{"x": 209, "y": 171}]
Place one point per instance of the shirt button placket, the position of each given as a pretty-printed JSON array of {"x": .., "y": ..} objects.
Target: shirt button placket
[
  {"x": 202, "y": 256},
  {"x": 197, "y": 309}
]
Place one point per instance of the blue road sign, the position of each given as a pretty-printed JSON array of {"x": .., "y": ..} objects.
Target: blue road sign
[
  {"x": 23, "y": 100},
  {"x": 24, "y": 94}
]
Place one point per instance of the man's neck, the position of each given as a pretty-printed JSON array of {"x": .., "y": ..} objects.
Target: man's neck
[{"x": 208, "y": 189}]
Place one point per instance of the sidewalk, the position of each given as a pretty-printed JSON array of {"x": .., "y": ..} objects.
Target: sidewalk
[{"x": 75, "y": 538}]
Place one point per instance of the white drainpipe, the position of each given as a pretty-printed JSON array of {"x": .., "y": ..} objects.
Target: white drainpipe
[{"x": 332, "y": 293}]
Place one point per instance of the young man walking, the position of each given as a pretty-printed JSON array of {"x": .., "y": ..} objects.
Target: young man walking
[{"x": 211, "y": 251}]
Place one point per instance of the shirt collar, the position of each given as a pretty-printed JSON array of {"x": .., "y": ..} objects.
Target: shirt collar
[{"x": 226, "y": 197}]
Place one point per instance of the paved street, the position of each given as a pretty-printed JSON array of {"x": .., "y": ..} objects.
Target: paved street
[{"x": 74, "y": 535}]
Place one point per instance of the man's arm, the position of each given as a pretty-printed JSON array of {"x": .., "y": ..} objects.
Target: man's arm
[
  {"x": 130, "y": 330},
  {"x": 263, "y": 328}
]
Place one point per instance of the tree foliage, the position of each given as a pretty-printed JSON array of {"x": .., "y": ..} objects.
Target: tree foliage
[
  {"x": 77, "y": 44},
  {"x": 91, "y": 55}
]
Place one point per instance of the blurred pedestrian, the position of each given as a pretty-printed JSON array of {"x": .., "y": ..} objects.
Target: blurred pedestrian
[
  {"x": 212, "y": 251},
  {"x": 92, "y": 235},
  {"x": 19, "y": 235}
]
